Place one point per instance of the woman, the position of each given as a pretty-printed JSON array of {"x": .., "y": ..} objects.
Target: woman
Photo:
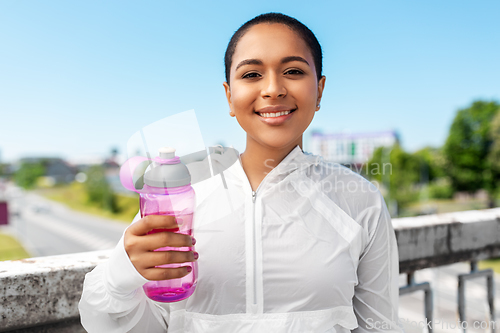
[{"x": 288, "y": 243}]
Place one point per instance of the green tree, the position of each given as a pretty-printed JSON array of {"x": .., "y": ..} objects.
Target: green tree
[
  {"x": 434, "y": 163},
  {"x": 399, "y": 171},
  {"x": 468, "y": 146},
  {"x": 99, "y": 191},
  {"x": 433, "y": 174},
  {"x": 28, "y": 173},
  {"x": 493, "y": 176}
]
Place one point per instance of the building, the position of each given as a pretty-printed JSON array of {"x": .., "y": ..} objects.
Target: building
[
  {"x": 350, "y": 148},
  {"x": 56, "y": 169}
]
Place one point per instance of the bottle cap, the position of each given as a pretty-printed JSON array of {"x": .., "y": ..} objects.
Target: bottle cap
[
  {"x": 167, "y": 152},
  {"x": 167, "y": 171}
]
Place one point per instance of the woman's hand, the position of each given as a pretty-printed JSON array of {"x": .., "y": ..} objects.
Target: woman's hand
[{"x": 140, "y": 245}]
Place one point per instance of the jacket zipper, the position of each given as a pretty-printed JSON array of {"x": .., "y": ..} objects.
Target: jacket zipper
[
  {"x": 254, "y": 241},
  {"x": 254, "y": 197}
]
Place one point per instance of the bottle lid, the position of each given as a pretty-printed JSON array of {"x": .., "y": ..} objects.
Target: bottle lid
[
  {"x": 166, "y": 152},
  {"x": 167, "y": 171}
]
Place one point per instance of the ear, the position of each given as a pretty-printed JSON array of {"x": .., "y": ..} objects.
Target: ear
[
  {"x": 228, "y": 97},
  {"x": 321, "y": 86}
]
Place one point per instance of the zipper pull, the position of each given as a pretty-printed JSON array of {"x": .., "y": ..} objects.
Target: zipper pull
[{"x": 254, "y": 194}]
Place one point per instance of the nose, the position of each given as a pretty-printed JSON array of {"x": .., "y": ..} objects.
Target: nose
[{"x": 273, "y": 87}]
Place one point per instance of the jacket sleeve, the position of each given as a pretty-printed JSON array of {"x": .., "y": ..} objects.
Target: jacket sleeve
[
  {"x": 113, "y": 299},
  {"x": 376, "y": 296}
]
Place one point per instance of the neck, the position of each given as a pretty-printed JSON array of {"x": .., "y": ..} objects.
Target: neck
[{"x": 258, "y": 160}]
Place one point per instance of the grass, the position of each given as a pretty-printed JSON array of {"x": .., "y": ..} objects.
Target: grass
[
  {"x": 490, "y": 263},
  {"x": 11, "y": 249},
  {"x": 75, "y": 197},
  {"x": 440, "y": 206}
]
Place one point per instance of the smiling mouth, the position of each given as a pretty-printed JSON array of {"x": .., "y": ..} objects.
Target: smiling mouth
[{"x": 275, "y": 114}]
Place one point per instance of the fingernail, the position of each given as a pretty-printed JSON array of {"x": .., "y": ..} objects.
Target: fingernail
[
  {"x": 193, "y": 240},
  {"x": 195, "y": 255},
  {"x": 189, "y": 268}
]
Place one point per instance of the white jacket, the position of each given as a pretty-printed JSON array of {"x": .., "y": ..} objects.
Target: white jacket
[{"x": 311, "y": 250}]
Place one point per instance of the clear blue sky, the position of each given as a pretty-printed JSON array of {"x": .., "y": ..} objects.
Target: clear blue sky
[{"x": 80, "y": 77}]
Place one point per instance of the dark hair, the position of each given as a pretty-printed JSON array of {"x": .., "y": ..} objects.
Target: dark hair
[{"x": 292, "y": 23}]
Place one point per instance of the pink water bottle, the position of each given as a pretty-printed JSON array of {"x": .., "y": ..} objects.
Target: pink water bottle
[{"x": 167, "y": 191}]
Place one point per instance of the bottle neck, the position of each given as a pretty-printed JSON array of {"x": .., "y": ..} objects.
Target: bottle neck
[{"x": 166, "y": 190}]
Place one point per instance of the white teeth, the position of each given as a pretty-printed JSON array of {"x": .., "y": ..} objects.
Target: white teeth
[{"x": 274, "y": 114}]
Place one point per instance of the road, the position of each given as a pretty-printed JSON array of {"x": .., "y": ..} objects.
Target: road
[
  {"x": 444, "y": 283},
  {"x": 49, "y": 228}
]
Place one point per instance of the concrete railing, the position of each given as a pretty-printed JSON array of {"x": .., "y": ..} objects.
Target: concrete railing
[
  {"x": 437, "y": 240},
  {"x": 42, "y": 294}
]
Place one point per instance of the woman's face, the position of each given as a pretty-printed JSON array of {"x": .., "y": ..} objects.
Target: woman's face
[{"x": 274, "y": 90}]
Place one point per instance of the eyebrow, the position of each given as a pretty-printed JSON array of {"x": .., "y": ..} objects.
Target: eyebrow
[{"x": 259, "y": 62}]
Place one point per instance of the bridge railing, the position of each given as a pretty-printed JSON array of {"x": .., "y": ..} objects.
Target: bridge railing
[{"x": 42, "y": 294}]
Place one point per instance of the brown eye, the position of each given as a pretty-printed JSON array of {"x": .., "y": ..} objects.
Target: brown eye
[
  {"x": 294, "y": 72},
  {"x": 250, "y": 75}
]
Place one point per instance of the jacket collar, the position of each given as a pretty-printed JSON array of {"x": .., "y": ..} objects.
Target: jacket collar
[{"x": 295, "y": 160}]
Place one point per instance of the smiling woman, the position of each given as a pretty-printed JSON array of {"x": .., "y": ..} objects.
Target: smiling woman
[
  {"x": 286, "y": 242},
  {"x": 273, "y": 95}
]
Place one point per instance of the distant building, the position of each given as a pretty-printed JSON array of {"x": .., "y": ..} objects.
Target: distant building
[
  {"x": 55, "y": 168},
  {"x": 350, "y": 148},
  {"x": 6, "y": 170},
  {"x": 112, "y": 172},
  {"x": 111, "y": 166}
]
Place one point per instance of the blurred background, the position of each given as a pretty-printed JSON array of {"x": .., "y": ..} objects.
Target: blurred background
[{"x": 412, "y": 102}]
